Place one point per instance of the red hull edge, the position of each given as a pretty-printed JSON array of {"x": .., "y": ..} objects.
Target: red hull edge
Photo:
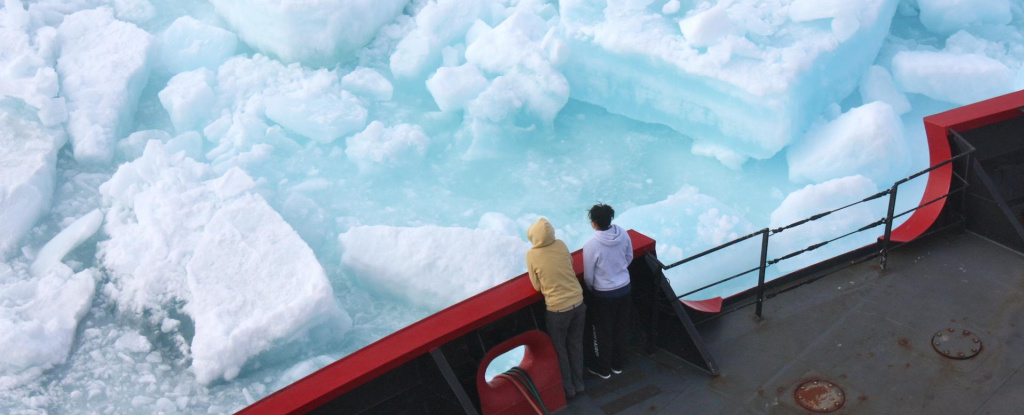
[
  {"x": 937, "y": 127},
  {"x": 414, "y": 340}
]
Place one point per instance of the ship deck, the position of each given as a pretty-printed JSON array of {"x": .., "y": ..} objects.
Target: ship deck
[{"x": 866, "y": 330}]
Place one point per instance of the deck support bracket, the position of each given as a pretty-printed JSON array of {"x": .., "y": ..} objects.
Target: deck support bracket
[{"x": 680, "y": 338}]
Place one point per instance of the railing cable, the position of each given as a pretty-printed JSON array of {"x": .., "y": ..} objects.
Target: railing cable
[
  {"x": 966, "y": 150},
  {"x": 826, "y": 213}
]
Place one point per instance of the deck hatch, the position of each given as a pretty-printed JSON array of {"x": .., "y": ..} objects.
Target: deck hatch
[
  {"x": 819, "y": 396},
  {"x": 956, "y": 343}
]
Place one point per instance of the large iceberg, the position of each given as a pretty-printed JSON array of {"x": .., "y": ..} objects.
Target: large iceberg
[
  {"x": 736, "y": 76},
  {"x": 184, "y": 240}
]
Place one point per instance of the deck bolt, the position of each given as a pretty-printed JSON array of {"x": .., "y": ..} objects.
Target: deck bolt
[
  {"x": 967, "y": 333},
  {"x": 950, "y": 329},
  {"x": 961, "y": 354},
  {"x": 974, "y": 350},
  {"x": 977, "y": 340}
]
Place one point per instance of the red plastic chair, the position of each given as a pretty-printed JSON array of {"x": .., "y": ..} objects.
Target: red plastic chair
[{"x": 501, "y": 397}]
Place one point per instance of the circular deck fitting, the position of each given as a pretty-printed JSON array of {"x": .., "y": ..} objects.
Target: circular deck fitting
[
  {"x": 956, "y": 343},
  {"x": 819, "y": 396}
]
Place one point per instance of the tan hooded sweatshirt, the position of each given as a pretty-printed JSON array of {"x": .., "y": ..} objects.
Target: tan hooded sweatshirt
[{"x": 550, "y": 267}]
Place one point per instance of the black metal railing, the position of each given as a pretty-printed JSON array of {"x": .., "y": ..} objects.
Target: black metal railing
[{"x": 966, "y": 149}]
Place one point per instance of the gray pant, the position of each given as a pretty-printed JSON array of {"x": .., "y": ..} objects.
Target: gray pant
[{"x": 566, "y": 331}]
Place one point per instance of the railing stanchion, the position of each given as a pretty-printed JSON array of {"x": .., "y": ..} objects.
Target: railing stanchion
[
  {"x": 967, "y": 184},
  {"x": 965, "y": 149},
  {"x": 888, "y": 220},
  {"x": 760, "y": 274},
  {"x": 888, "y": 225}
]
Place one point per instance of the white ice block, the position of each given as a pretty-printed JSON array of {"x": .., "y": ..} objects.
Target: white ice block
[
  {"x": 742, "y": 75},
  {"x": 314, "y": 32},
  {"x": 28, "y": 168},
  {"x": 103, "y": 66},
  {"x": 184, "y": 240},
  {"x": 431, "y": 266}
]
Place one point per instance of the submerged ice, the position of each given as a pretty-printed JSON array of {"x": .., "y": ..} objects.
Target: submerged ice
[{"x": 202, "y": 201}]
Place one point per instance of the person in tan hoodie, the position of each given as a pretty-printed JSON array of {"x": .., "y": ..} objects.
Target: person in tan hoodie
[{"x": 549, "y": 265}]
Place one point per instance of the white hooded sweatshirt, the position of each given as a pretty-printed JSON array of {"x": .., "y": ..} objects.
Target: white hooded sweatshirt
[{"x": 605, "y": 259}]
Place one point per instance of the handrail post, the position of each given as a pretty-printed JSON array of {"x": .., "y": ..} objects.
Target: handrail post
[
  {"x": 967, "y": 184},
  {"x": 760, "y": 274},
  {"x": 888, "y": 225}
]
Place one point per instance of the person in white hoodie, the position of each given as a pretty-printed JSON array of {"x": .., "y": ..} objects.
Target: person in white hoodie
[{"x": 606, "y": 257}]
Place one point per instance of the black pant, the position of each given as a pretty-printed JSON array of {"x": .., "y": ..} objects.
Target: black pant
[
  {"x": 566, "y": 331},
  {"x": 611, "y": 330}
]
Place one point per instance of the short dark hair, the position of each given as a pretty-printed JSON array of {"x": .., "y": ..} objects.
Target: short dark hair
[{"x": 602, "y": 214}]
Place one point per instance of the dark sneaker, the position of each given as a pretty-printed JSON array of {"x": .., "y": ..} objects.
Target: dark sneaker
[
  {"x": 616, "y": 370},
  {"x": 599, "y": 372}
]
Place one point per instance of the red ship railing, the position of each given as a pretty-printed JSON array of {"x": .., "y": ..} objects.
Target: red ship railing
[
  {"x": 941, "y": 129},
  {"x": 414, "y": 340}
]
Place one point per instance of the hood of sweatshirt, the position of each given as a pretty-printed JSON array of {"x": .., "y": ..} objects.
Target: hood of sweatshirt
[
  {"x": 611, "y": 237},
  {"x": 541, "y": 233}
]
